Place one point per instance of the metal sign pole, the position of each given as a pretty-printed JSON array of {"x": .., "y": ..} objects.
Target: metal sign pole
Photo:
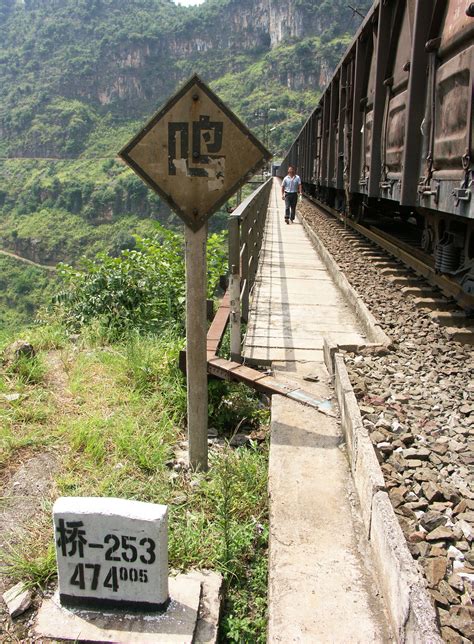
[
  {"x": 187, "y": 154},
  {"x": 196, "y": 339}
]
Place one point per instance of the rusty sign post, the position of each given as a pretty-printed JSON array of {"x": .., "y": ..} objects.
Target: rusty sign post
[{"x": 195, "y": 153}]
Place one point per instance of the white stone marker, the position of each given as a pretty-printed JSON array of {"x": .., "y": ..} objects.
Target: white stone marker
[{"x": 112, "y": 553}]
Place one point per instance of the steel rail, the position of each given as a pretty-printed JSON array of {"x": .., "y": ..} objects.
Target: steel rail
[{"x": 398, "y": 249}]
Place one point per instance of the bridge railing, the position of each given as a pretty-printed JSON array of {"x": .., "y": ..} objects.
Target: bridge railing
[{"x": 246, "y": 226}]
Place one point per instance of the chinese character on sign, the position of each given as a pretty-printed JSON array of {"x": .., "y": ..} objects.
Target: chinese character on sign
[
  {"x": 70, "y": 534},
  {"x": 206, "y": 136}
]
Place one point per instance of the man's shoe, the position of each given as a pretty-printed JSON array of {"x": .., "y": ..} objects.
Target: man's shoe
[{"x": 287, "y": 221}]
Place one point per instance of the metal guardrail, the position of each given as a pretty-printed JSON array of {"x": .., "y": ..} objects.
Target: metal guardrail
[{"x": 246, "y": 226}]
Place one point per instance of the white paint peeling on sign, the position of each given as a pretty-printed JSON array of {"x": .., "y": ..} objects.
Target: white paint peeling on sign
[
  {"x": 181, "y": 166},
  {"x": 216, "y": 174}
]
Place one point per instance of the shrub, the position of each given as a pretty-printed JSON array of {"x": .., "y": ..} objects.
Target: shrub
[{"x": 142, "y": 289}]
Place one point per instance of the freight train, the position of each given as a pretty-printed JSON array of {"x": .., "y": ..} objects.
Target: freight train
[{"x": 392, "y": 134}]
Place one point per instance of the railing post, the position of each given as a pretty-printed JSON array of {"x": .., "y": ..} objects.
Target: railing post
[
  {"x": 245, "y": 269},
  {"x": 234, "y": 289},
  {"x": 253, "y": 247},
  {"x": 246, "y": 226}
]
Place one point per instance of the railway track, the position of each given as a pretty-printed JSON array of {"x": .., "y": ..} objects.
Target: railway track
[
  {"x": 417, "y": 405},
  {"x": 455, "y": 312}
]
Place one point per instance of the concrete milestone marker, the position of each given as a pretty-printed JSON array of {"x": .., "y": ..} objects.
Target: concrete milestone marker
[
  {"x": 113, "y": 579},
  {"x": 112, "y": 553}
]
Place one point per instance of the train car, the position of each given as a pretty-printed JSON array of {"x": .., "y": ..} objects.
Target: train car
[{"x": 392, "y": 134}]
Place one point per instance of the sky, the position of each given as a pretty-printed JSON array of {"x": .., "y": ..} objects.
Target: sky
[{"x": 188, "y": 3}]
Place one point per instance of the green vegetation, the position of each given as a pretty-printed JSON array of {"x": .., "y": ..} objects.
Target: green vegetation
[
  {"x": 109, "y": 407},
  {"x": 79, "y": 77},
  {"x": 116, "y": 426},
  {"x": 22, "y": 289},
  {"x": 140, "y": 290}
]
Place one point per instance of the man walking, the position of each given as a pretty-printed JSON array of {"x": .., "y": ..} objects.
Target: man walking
[{"x": 290, "y": 188}]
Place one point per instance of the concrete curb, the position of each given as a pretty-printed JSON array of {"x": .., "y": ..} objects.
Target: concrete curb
[
  {"x": 411, "y": 613},
  {"x": 377, "y": 337},
  {"x": 366, "y": 472}
]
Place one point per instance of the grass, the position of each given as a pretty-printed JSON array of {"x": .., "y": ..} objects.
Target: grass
[
  {"x": 118, "y": 422},
  {"x": 28, "y": 370},
  {"x": 35, "y": 569}
]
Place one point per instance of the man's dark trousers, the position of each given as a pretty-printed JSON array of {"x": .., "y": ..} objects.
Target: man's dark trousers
[{"x": 291, "y": 199}]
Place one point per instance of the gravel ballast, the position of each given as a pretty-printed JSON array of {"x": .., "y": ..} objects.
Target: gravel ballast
[{"x": 417, "y": 402}]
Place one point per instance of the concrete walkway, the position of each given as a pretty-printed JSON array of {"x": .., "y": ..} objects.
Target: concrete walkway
[
  {"x": 320, "y": 584},
  {"x": 295, "y": 303}
]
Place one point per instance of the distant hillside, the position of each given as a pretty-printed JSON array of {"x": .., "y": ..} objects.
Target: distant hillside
[
  {"x": 78, "y": 77},
  {"x": 68, "y": 66}
]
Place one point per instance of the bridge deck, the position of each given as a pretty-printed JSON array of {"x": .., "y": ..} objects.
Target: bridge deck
[
  {"x": 295, "y": 304},
  {"x": 320, "y": 583}
]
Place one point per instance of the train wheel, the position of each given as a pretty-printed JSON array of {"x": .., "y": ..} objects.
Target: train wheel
[
  {"x": 358, "y": 212},
  {"x": 427, "y": 239}
]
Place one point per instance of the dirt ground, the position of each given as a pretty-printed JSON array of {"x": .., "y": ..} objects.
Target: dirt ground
[{"x": 26, "y": 485}]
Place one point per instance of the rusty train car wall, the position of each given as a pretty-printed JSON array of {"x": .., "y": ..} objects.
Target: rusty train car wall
[{"x": 393, "y": 131}]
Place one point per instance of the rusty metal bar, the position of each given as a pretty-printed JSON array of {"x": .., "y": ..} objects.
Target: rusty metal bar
[
  {"x": 339, "y": 169},
  {"x": 331, "y": 160},
  {"x": 416, "y": 92},
  {"x": 235, "y": 372},
  {"x": 382, "y": 53},
  {"x": 357, "y": 115}
]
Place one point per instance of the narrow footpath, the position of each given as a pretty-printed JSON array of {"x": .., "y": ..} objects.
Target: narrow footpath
[
  {"x": 7, "y": 253},
  {"x": 321, "y": 588}
]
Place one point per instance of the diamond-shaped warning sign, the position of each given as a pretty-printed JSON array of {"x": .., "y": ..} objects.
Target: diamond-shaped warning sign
[{"x": 195, "y": 153}]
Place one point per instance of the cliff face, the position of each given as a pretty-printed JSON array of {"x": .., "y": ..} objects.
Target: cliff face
[{"x": 243, "y": 26}]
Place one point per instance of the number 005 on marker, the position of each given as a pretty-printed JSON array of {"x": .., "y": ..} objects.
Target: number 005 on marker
[{"x": 111, "y": 552}]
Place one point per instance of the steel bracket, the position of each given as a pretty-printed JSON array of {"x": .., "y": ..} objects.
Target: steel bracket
[
  {"x": 386, "y": 186},
  {"x": 426, "y": 192},
  {"x": 461, "y": 194}
]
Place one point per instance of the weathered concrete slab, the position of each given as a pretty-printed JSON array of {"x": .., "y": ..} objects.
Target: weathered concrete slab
[
  {"x": 319, "y": 587},
  {"x": 300, "y": 264},
  {"x": 207, "y": 626},
  {"x": 281, "y": 341},
  {"x": 412, "y": 613},
  {"x": 266, "y": 355},
  {"x": 293, "y": 295},
  {"x": 274, "y": 274},
  {"x": 176, "y": 626},
  {"x": 330, "y": 315}
]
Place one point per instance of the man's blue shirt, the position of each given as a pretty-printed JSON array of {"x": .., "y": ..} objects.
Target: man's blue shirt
[{"x": 291, "y": 184}]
